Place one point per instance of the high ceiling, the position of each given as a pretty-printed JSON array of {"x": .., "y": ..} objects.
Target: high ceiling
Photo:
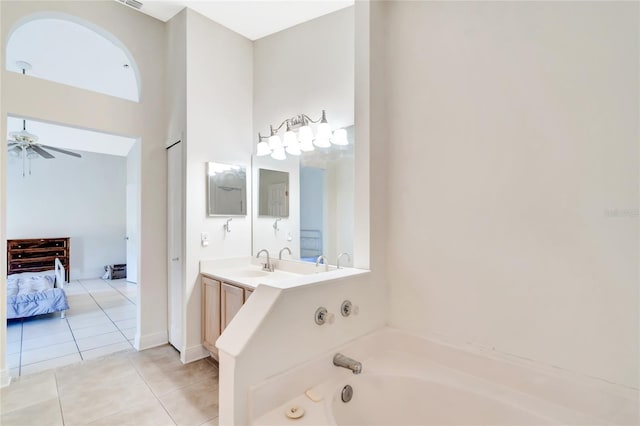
[
  {"x": 252, "y": 19},
  {"x": 69, "y": 53}
]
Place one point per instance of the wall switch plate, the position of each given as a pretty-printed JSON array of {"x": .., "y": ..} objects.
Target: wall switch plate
[{"x": 204, "y": 239}]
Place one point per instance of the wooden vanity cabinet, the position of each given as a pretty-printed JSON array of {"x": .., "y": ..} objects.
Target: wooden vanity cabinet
[
  {"x": 221, "y": 301},
  {"x": 231, "y": 300},
  {"x": 210, "y": 313}
]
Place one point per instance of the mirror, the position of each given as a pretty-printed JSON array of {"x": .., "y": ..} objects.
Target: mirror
[
  {"x": 226, "y": 190},
  {"x": 327, "y": 190},
  {"x": 320, "y": 215},
  {"x": 273, "y": 193}
]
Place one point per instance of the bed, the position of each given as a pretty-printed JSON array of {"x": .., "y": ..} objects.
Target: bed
[{"x": 37, "y": 293}]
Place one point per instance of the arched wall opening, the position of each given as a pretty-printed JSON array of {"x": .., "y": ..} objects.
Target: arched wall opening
[{"x": 68, "y": 50}]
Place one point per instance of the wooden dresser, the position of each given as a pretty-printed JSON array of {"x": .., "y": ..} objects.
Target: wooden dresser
[{"x": 37, "y": 254}]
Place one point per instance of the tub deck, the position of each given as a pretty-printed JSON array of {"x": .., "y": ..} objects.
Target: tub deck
[{"x": 433, "y": 383}]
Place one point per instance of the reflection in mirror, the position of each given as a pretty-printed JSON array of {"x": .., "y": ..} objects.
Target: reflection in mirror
[
  {"x": 226, "y": 190},
  {"x": 273, "y": 193},
  {"x": 326, "y": 201}
]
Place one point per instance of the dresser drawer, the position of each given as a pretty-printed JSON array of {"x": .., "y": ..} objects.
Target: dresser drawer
[
  {"x": 37, "y": 243},
  {"x": 20, "y": 254}
]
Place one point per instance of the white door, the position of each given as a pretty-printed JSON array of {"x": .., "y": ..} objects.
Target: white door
[
  {"x": 175, "y": 205},
  {"x": 132, "y": 233}
]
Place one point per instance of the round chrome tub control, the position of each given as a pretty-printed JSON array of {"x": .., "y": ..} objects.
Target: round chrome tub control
[
  {"x": 347, "y": 393},
  {"x": 346, "y": 308},
  {"x": 321, "y": 315}
]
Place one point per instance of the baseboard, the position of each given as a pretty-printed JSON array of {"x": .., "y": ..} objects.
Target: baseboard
[
  {"x": 150, "y": 340},
  {"x": 5, "y": 378},
  {"x": 194, "y": 353}
]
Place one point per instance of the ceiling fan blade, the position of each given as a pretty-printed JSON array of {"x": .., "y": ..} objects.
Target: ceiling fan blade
[
  {"x": 42, "y": 152},
  {"x": 13, "y": 143},
  {"x": 64, "y": 151}
]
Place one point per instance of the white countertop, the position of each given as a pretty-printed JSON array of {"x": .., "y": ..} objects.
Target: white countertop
[{"x": 247, "y": 272}]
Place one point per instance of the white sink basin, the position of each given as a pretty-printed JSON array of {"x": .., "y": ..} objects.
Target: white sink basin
[{"x": 247, "y": 273}]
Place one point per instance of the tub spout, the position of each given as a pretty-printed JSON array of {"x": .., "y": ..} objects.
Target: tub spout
[{"x": 340, "y": 360}]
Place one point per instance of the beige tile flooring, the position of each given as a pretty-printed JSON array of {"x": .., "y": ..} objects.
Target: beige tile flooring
[
  {"x": 150, "y": 387},
  {"x": 101, "y": 320}
]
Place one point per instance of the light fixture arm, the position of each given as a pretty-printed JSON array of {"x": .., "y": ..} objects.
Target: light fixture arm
[{"x": 294, "y": 123}]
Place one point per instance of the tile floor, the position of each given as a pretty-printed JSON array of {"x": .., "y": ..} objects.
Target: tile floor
[
  {"x": 101, "y": 320},
  {"x": 151, "y": 387}
]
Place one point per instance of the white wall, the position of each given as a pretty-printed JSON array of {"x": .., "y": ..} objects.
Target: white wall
[
  {"x": 219, "y": 82},
  {"x": 250, "y": 348},
  {"x": 290, "y": 80},
  {"x": 47, "y": 101},
  {"x": 513, "y": 135},
  {"x": 81, "y": 198}
]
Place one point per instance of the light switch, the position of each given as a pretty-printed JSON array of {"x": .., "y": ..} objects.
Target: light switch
[{"x": 204, "y": 239}]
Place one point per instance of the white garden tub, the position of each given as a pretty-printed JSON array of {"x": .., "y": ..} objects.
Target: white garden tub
[
  {"x": 407, "y": 380},
  {"x": 397, "y": 400}
]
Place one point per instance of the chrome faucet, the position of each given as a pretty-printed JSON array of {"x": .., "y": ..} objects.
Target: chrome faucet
[
  {"x": 265, "y": 266},
  {"x": 326, "y": 262},
  {"x": 340, "y": 360},
  {"x": 283, "y": 249},
  {"x": 340, "y": 256}
]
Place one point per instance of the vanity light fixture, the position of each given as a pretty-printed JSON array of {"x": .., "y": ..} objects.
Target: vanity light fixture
[{"x": 304, "y": 141}]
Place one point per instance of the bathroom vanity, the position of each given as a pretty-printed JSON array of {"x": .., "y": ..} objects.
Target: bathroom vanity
[
  {"x": 221, "y": 301},
  {"x": 228, "y": 283}
]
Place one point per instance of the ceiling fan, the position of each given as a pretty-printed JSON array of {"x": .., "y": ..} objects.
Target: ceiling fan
[{"x": 25, "y": 145}]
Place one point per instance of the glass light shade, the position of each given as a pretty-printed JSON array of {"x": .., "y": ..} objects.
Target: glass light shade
[
  {"x": 294, "y": 148},
  {"x": 339, "y": 137},
  {"x": 278, "y": 154},
  {"x": 275, "y": 142},
  {"x": 305, "y": 135},
  {"x": 289, "y": 139},
  {"x": 306, "y": 145},
  {"x": 263, "y": 149},
  {"x": 15, "y": 151},
  {"x": 324, "y": 131},
  {"x": 322, "y": 142}
]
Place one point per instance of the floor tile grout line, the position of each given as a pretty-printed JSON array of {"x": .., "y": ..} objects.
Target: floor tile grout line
[
  {"x": 71, "y": 330},
  {"x": 118, "y": 290},
  {"x": 55, "y": 377},
  {"x": 112, "y": 321},
  {"x": 48, "y": 359},
  {"x": 151, "y": 390}
]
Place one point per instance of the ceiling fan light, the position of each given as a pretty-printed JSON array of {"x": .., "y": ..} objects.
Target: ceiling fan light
[{"x": 15, "y": 151}]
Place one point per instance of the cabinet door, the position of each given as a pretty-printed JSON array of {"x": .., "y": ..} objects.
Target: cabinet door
[
  {"x": 231, "y": 299},
  {"x": 210, "y": 313},
  {"x": 247, "y": 293}
]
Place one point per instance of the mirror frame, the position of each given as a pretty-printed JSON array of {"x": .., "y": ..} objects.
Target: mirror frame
[
  {"x": 287, "y": 197},
  {"x": 210, "y": 207}
]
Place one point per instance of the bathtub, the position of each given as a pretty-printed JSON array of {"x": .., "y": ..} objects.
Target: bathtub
[{"x": 432, "y": 383}]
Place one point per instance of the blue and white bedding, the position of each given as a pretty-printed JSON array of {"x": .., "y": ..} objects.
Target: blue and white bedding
[{"x": 30, "y": 294}]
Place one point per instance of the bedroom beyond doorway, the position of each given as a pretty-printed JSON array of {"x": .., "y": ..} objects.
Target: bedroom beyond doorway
[{"x": 101, "y": 320}]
